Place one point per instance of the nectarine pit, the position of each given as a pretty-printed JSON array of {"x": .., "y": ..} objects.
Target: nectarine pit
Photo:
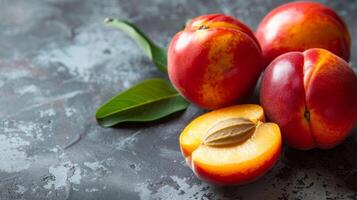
[{"x": 229, "y": 132}]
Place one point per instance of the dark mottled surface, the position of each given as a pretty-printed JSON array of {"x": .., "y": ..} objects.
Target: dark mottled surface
[{"x": 58, "y": 63}]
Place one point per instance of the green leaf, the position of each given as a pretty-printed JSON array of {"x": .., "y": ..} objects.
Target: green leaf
[
  {"x": 147, "y": 101},
  {"x": 157, "y": 54}
]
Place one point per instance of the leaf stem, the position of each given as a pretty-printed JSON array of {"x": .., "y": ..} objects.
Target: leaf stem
[{"x": 157, "y": 54}]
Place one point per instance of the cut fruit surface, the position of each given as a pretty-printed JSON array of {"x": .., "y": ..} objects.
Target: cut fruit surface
[
  {"x": 264, "y": 140},
  {"x": 191, "y": 137},
  {"x": 233, "y": 164}
]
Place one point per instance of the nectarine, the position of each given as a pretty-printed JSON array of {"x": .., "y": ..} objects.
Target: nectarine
[
  {"x": 231, "y": 145},
  {"x": 312, "y": 96},
  {"x": 299, "y": 26},
  {"x": 215, "y": 61}
]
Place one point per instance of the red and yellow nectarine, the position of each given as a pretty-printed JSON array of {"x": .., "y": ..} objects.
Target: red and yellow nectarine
[
  {"x": 215, "y": 61},
  {"x": 312, "y": 96},
  {"x": 241, "y": 162},
  {"x": 299, "y": 26}
]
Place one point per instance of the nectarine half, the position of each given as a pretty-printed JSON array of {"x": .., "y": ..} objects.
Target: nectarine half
[{"x": 231, "y": 145}]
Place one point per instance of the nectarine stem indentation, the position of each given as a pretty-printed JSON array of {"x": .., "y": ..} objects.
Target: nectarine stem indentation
[
  {"x": 307, "y": 114},
  {"x": 203, "y": 27}
]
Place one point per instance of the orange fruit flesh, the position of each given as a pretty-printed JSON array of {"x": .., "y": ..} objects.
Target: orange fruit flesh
[
  {"x": 243, "y": 162},
  {"x": 190, "y": 138},
  {"x": 232, "y": 164}
]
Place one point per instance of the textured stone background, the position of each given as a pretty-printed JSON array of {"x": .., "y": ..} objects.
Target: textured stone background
[{"x": 58, "y": 63}]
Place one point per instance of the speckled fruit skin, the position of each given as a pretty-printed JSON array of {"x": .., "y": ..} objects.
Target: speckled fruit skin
[
  {"x": 299, "y": 26},
  {"x": 312, "y": 96},
  {"x": 215, "y": 61}
]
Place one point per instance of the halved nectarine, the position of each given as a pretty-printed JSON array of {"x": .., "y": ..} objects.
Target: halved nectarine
[{"x": 232, "y": 145}]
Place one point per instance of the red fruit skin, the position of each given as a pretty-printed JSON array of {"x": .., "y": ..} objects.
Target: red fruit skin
[
  {"x": 237, "y": 178},
  {"x": 219, "y": 20},
  {"x": 282, "y": 96},
  {"x": 312, "y": 96},
  {"x": 215, "y": 61},
  {"x": 299, "y": 26}
]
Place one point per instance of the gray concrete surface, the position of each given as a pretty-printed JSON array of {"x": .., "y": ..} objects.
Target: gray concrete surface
[{"x": 58, "y": 63}]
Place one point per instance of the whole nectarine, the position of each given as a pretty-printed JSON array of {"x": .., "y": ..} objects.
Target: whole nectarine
[
  {"x": 299, "y": 26},
  {"x": 312, "y": 96},
  {"x": 215, "y": 61}
]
